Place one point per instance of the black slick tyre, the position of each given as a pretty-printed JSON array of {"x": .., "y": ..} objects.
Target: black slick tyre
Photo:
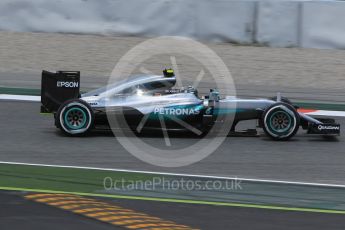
[
  {"x": 280, "y": 121},
  {"x": 75, "y": 117}
]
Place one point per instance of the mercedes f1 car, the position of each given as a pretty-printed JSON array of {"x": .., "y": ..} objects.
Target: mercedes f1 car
[{"x": 151, "y": 97}]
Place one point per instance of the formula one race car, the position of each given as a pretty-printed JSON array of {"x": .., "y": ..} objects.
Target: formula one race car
[{"x": 150, "y": 97}]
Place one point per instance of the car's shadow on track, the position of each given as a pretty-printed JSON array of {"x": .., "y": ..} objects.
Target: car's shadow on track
[
  {"x": 109, "y": 133},
  {"x": 297, "y": 139},
  {"x": 267, "y": 139},
  {"x": 58, "y": 133},
  {"x": 179, "y": 135},
  {"x": 325, "y": 139}
]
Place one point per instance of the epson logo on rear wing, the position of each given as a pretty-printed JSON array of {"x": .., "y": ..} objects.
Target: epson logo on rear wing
[{"x": 67, "y": 84}]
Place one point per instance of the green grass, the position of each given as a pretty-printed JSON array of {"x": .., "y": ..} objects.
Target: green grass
[
  {"x": 61, "y": 179},
  {"x": 199, "y": 202},
  {"x": 89, "y": 182},
  {"x": 20, "y": 91}
]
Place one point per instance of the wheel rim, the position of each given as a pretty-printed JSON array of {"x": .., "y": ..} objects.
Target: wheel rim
[
  {"x": 287, "y": 126},
  {"x": 75, "y": 118},
  {"x": 280, "y": 121}
]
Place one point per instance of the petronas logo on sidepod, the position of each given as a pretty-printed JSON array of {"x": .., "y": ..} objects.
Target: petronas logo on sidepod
[{"x": 176, "y": 111}]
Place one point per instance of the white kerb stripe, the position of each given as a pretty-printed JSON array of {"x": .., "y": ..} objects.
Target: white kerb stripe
[
  {"x": 19, "y": 97},
  {"x": 327, "y": 113}
]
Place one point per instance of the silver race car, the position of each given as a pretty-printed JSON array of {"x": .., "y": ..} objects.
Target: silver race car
[{"x": 144, "y": 100}]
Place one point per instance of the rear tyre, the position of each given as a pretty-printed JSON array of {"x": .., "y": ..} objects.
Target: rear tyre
[
  {"x": 280, "y": 121},
  {"x": 74, "y": 117}
]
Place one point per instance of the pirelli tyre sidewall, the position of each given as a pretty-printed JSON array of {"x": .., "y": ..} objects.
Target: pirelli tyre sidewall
[
  {"x": 281, "y": 121},
  {"x": 78, "y": 109}
]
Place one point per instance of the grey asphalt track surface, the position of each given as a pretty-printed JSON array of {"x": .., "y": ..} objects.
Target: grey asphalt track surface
[
  {"x": 19, "y": 213},
  {"x": 27, "y": 136}
]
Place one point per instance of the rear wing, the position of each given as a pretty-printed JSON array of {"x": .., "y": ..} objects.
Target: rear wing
[{"x": 56, "y": 88}]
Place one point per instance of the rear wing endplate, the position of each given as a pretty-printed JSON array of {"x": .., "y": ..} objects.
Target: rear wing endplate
[{"x": 56, "y": 88}]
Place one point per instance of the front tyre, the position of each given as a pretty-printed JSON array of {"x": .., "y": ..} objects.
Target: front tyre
[
  {"x": 74, "y": 117},
  {"x": 280, "y": 121}
]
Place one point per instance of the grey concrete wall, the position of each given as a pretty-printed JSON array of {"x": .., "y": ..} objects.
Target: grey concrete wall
[
  {"x": 317, "y": 24},
  {"x": 323, "y": 24},
  {"x": 278, "y": 23},
  {"x": 211, "y": 20}
]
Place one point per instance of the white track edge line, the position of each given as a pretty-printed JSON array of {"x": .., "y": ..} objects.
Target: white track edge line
[
  {"x": 19, "y": 97},
  {"x": 181, "y": 174}
]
